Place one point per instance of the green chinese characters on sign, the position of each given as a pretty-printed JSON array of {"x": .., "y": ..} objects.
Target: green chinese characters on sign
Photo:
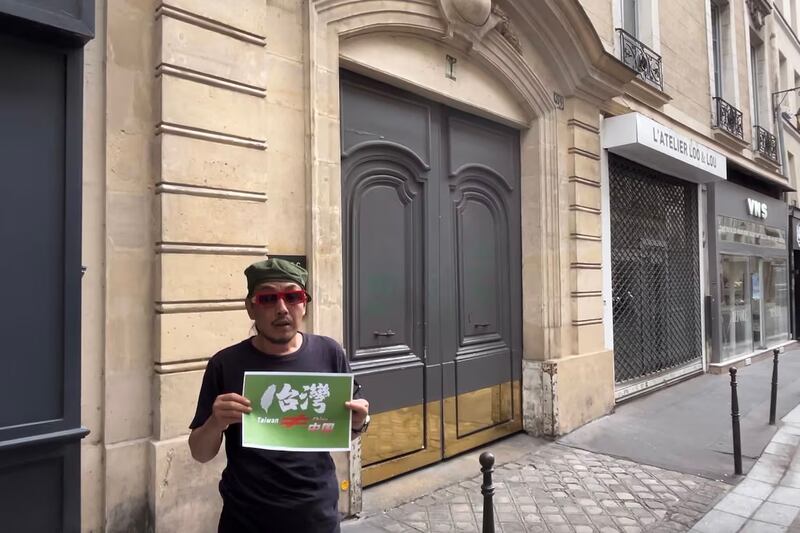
[{"x": 297, "y": 411}]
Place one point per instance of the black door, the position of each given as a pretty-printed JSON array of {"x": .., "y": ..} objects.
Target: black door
[
  {"x": 40, "y": 269},
  {"x": 432, "y": 274}
]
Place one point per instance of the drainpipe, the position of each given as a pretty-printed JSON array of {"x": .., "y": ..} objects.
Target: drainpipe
[{"x": 781, "y": 125}]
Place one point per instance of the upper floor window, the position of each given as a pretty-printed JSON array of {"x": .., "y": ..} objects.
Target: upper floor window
[
  {"x": 723, "y": 53},
  {"x": 723, "y": 69},
  {"x": 716, "y": 47},
  {"x": 756, "y": 71},
  {"x": 630, "y": 17},
  {"x": 796, "y": 83},
  {"x": 638, "y": 38}
]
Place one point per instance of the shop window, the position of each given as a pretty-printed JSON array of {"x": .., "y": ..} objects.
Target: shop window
[
  {"x": 754, "y": 304},
  {"x": 745, "y": 232},
  {"x": 736, "y": 325},
  {"x": 775, "y": 300}
]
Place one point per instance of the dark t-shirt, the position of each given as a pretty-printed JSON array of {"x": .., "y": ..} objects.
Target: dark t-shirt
[{"x": 271, "y": 490}]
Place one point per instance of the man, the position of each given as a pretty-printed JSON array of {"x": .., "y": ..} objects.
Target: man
[{"x": 264, "y": 491}]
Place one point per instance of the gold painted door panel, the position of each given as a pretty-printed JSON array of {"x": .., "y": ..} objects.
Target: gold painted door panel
[
  {"x": 476, "y": 418},
  {"x": 397, "y": 442}
]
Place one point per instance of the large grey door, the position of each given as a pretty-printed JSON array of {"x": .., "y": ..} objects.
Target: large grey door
[
  {"x": 40, "y": 270},
  {"x": 432, "y": 274}
]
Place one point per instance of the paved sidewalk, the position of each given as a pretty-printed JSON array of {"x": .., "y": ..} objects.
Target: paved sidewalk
[
  {"x": 560, "y": 489},
  {"x": 581, "y": 485},
  {"x": 687, "y": 427},
  {"x": 768, "y": 500}
]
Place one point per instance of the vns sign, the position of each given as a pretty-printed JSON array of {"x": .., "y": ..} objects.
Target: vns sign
[{"x": 756, "y": 208}]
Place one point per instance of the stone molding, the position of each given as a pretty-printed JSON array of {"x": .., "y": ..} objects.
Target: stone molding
[
  {"x": 473, "y": 19},
  {"x": 759, "y": 9}
]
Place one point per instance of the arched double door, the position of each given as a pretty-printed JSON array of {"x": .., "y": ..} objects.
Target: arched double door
[{"x": 432, "y": 268}]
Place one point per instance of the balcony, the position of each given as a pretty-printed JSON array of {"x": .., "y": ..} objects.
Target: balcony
[
  {"x": 641, "y": 58},
  {"x": 728, "y": 119},
  {"x": 766, "y": 144}
]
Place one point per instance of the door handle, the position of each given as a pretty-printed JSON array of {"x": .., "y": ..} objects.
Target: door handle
[
  {"x": 482, "y": 325},
  {"x": 387, "y": 333}
]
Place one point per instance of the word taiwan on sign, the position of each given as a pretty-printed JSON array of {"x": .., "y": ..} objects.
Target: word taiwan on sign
[{"x": 297, "y": 411}]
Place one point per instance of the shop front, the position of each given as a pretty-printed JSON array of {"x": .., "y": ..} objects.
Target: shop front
[
  {"x": 653, "y": 289},
  {"x": 749, "y": 272}
]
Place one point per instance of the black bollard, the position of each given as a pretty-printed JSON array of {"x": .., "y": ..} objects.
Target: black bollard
[
  {"x": 737, "y": 437},
  {"x": 487, "y": 489},
  {"x": 773, "y": 401}
]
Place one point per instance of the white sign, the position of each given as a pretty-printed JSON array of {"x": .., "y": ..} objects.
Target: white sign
[
  {"x": 756, "y": 208},
  {"x": 652, "y": 144}
]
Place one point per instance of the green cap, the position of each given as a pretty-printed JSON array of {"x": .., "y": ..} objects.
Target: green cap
[{"x": 274, "y": 270}]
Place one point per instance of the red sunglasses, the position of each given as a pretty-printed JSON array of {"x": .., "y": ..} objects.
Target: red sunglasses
[{"x": 271, "y": 298}]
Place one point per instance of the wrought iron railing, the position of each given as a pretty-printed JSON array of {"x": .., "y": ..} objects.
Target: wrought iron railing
[
  {"x": 766, "y": 144},
  {"x": 641, "y": 58},
  {"x": 728, "y": 118}
]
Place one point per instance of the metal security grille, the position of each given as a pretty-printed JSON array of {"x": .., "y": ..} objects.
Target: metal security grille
[{"x": 654, "y": 270}]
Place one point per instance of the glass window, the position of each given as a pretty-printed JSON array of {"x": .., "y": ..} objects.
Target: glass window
[
  {"x": 754, "y": 304},
  {"x": 754, "y": 55},
  {"x": 756, "y": 301},
  {"x": 775, "y": 300},
  {"x": 745, "y": 232},
  {"x": 737, "y": 329},
  {"x": 630, "y": 17},
  {"x": 716, "y": 45}
]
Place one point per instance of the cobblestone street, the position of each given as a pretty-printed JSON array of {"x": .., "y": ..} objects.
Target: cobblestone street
[{"x": 558, "y": 489}]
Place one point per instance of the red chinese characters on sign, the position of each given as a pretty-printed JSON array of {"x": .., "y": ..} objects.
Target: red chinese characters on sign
[{"x": 290, "y": 421}]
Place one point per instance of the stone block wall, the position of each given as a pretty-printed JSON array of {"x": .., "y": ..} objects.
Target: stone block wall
[
  {"x": 685, "y": 59},
  {"x": 212, "y": 198}
]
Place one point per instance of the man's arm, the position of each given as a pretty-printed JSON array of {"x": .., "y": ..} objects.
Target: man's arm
[{"x": 204, "y": 441}]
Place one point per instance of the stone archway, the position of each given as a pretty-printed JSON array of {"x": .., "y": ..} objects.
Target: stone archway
[{"x": 576, "y": 64}]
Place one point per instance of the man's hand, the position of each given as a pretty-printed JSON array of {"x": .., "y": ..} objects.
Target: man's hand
[
  {"x": 360, "y": 410},
  {"x": 204, "y": 442},
  {"x": 228, "y": 409}
]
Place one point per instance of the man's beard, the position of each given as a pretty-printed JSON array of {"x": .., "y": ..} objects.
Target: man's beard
[{"x": 272, "y": 339}]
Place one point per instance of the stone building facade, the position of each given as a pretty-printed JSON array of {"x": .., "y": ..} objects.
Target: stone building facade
[
  {"x": 213, "y": 139},
  {"x": 218, "y": 133}
]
